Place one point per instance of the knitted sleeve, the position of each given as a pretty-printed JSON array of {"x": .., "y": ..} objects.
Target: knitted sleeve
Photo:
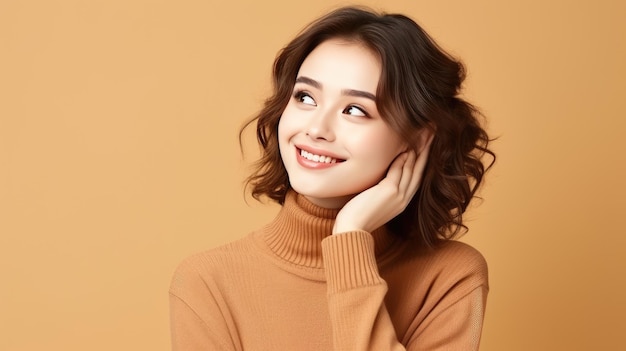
[{"x": 360, "y": 320}]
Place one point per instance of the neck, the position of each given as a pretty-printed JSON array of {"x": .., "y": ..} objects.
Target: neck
[
  {"x": 296, "y": 233},
  {"x": 330, "y": 203}
]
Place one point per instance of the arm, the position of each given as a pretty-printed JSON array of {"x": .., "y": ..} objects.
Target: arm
[
  {"x": 356, "y": 295},
  {"x": 359, "y": 317},
  {"x": 356, "y": 291}
]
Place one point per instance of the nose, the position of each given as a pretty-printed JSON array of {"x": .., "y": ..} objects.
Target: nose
[{"x": 321, "y": 126}]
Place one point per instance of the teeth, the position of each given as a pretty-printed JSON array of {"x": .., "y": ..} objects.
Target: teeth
[{"x": 317, "y": 158}]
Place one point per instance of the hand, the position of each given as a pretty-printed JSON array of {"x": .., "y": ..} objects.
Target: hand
[{"x": 379, "y": 204}]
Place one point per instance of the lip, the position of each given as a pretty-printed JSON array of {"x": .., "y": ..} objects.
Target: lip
[
  {"x": 320, "y": 152},
  {"x": 306, "y": 163}
]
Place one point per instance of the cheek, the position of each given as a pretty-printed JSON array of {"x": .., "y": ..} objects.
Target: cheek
[
  {"x": 287, "y": 128},
  {"x": 383, "y": 147},
  {"x": 286, "y": 122},
  {"x": 283, "y": 140},
  {"x": 395, "y": 144},
  {"x": 284, "y": 131}
]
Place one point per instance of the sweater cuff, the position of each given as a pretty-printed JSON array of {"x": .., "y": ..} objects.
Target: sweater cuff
[{"x": 349, "y": 261}]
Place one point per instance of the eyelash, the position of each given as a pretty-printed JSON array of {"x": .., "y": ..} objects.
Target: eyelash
[
  {"x": 362, "y": 111},
  {"x": 301, "y": 94}
]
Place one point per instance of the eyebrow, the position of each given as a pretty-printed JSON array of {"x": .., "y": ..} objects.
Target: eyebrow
[{"x": 347, "y": 92}]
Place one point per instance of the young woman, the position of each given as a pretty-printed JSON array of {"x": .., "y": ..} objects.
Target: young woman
[{"x": 374, "y": 157}]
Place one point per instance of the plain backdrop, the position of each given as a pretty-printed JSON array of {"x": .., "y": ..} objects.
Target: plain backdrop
[{"x": 119, "y": 157}]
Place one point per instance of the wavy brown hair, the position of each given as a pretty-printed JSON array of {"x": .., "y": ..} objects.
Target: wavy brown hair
[{"x": 418, "y": 88}]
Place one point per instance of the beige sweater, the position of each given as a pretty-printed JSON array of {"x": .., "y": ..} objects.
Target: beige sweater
[{"x": 293, "y": 286}]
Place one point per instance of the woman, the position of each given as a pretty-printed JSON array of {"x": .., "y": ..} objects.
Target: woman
[{"x": 374, "y": 158}]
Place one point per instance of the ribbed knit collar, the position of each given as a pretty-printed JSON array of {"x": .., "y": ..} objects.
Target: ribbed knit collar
[{"x": 296, "y": 233}]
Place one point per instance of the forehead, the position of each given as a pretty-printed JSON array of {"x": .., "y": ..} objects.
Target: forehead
[{"x": 343, "y": 64}]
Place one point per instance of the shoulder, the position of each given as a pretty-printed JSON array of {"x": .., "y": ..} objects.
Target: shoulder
[
  {"x": 451, "y": 265},
  {"x": 458, "y": 261},
  {"x": 199, "y": 271},
  {"x": 426, "y": 282},
  {"x": 460, "y": 257}
]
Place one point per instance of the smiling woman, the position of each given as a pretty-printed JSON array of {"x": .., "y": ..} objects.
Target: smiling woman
[{"x": 374, "y": 158}]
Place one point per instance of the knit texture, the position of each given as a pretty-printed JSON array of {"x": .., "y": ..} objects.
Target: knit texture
[{"x": 293, "y": 286}]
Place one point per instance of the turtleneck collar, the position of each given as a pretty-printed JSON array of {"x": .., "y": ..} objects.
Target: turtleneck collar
[{"x": 295, "y": 235}]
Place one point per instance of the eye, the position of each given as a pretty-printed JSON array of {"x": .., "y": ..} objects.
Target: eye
[
  {"x": 355, "y": 111},
  {"x": 305, "y": 98}
]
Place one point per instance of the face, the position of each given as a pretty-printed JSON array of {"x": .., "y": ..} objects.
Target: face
[{"x": 333, "y": 142}]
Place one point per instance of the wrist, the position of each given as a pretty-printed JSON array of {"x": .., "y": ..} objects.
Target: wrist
[{"x": 342, "y": 226}]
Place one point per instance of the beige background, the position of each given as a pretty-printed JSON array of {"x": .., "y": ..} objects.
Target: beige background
[{"x": 119, "y": 157}]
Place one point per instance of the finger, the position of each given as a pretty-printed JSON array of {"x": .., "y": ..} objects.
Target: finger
[
  {"x": 420, "y": 165},
  {"x": 394, "y": 174},
  {"x": 407, "y": 172}
]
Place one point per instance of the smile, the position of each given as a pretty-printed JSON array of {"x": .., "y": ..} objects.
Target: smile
[
  {"x": 317, "y": 158},
  {"x": 310, "y": 160}
]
